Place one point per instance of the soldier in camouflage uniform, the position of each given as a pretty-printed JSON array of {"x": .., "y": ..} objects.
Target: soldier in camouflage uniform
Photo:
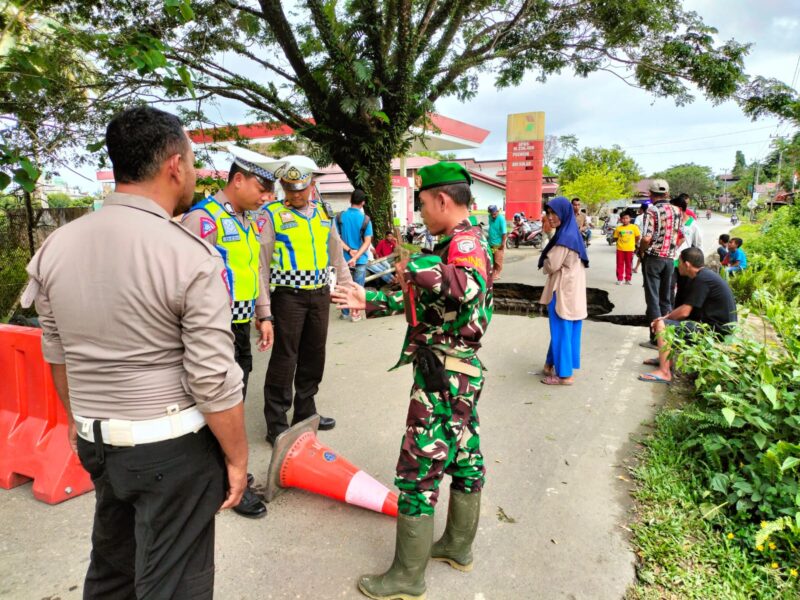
[{"x": 447, "y": 297}]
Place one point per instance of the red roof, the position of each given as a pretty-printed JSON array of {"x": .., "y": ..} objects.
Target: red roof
[
  {"x": 459, "y": 129},
  {"x": 446, "y": 125}
]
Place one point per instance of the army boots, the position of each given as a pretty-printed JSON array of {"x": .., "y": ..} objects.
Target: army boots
[
  {"x": 405, "y": 579},
  {"x": 455, "y": 545}
]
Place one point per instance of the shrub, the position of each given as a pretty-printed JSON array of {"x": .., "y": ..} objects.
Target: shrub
[{"x": 743, "y": 428}]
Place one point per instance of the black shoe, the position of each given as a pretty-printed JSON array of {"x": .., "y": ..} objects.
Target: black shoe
[
  {"x": 250, "y": 480},
  {"x": 250, "y": 506},
  {"x": 649, "y": 344},
  {"x": 326, "y": 423}
]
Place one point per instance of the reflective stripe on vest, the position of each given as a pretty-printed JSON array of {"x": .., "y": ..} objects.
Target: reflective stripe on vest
[
  {"x": 300, "y": 258},
  {"x": 239, "y": 248}
]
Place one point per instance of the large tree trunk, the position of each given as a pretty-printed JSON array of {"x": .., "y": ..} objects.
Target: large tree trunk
[
  {"x": 378, "y": 186},
  {"x": 376, "y": 181}
]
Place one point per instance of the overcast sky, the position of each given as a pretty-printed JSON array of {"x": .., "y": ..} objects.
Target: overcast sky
[{"x": 601, "y": 110}]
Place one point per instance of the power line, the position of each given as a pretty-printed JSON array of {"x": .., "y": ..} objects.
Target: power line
[
  {"x": 705, "y": 137},
  {"x": 702, "y": 149}
]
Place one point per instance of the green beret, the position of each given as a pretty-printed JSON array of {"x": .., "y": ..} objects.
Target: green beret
[{"x": 443, "y": 173}]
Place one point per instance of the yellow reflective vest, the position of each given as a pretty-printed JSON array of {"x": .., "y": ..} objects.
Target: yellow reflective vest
[
  {"x": 239, "y": 246},
  {"x": 300, "y": 259}
]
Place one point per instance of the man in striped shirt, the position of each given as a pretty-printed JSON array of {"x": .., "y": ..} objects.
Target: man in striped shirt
[{"x": 658, "y": 248}]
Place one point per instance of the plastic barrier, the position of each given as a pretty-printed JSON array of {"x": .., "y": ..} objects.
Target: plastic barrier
[
  {"x": 300, "y": 460},
  {"x": 33, "y": 422}
]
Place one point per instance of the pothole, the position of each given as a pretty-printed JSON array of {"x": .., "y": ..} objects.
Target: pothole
[{"x": 523, "y": 300}]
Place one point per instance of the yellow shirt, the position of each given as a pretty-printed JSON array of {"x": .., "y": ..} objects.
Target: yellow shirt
[{"x": 626, "y": 237}]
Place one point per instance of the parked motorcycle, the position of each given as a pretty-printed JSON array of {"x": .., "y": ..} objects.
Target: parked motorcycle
[
  {"x": 525, "y": 233},
  {"x": 418, "y": 234}
]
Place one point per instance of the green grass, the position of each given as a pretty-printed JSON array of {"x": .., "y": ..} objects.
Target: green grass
[
  {"x": 747, "y": 231},
  {"x": 681, "y": 555}
]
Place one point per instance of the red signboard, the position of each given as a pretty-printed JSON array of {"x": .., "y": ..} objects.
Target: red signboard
[{"x": 524, "y": 178}]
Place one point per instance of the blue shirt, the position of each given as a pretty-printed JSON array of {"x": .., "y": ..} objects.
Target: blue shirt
[
  {"x": 737, "y": 255},
  {"x": 497, "y": 229},
  {"x": 350, "y": 231}
]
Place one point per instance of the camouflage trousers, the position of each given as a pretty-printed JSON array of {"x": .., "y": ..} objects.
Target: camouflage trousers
[{"x": 442, "y": 436}]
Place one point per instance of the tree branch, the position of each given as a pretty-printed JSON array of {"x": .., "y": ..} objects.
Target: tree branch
[{"x": 273, "y": 11}]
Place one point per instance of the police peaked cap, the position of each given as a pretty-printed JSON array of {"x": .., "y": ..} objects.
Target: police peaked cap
[
  {"x": 258, "y": 165},
  {"x": 297, "y": 172}
]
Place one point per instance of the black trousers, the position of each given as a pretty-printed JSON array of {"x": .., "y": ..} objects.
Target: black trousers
[
  {"x": 153, "y": 534},
  {"x": 658, "y": 286},
  {"x": 298, "y": 355},
  {"x": 242, "y": 352}
]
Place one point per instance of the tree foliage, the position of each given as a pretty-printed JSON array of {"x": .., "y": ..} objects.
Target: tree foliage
[
  {"x": 354, "y": 77},
  {"x": 612, "y": 159},
  {"x": 739, "y": 164},
  {"x": 692, "y": 179},
  {"x": 556, "y": 148},
  {"x": 595, "y": 185}
]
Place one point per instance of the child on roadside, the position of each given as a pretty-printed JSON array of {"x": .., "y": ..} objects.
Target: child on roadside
[
  {"x": 627, "y": 237},
  {"x": 736, "y": 260},
  {"x": 722, "y": 250}
]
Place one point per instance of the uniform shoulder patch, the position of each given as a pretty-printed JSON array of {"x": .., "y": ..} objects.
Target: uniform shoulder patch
[
  {"x": 260, "y": 221},
  {"x": 207, "y": 227},
  {"x": 211, "y": 250},
  {"x": 466, "y": 251}
]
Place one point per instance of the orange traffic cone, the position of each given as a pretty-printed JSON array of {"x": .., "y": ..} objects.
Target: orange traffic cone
[{"x": 299, "y": 460}]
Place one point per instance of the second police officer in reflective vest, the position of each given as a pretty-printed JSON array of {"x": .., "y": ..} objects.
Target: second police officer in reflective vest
[
  {"x": 301, "y": 256},
  {"x": 223, "y": 222}
]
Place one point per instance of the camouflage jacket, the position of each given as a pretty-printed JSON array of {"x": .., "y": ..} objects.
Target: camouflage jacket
[{"x": 453, "y": 289}]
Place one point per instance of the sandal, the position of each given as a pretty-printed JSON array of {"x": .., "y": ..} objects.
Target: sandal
[
  {"x": 651, "y": 362},
  {"x": 555, "y": 380},
  {"x": 649, "y": 377}
]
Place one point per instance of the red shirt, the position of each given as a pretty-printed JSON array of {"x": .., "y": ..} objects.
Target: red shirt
[{"x": 384, "y": 248}]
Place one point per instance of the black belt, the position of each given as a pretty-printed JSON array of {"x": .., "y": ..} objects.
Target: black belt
[{"x": 291, "y": 290}]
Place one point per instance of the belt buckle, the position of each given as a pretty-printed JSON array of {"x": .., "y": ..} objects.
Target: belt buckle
[{"x": 120, "y": 433}]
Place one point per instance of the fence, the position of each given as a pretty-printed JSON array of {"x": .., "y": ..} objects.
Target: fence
[{"x": 18, "y": 235}]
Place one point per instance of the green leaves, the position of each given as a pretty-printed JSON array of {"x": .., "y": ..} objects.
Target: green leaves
[
  {"x": 181, "y": 9},
  {"x": 729, "y": 415}
]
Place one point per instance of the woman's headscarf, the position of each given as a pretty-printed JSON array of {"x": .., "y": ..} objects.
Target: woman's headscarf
[{"x": 567, "y": 234}]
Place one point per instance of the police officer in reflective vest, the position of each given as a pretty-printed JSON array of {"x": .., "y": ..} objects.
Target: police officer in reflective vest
[
  {"x": 301, "y": 256},
  {"x": 223, "y": 222}
]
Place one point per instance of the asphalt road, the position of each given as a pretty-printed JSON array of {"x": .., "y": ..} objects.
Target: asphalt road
[{"x": 555, "y": 505}]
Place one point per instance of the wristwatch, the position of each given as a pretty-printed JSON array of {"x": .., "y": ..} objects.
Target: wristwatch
[{"x": 269, "y": 318}]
